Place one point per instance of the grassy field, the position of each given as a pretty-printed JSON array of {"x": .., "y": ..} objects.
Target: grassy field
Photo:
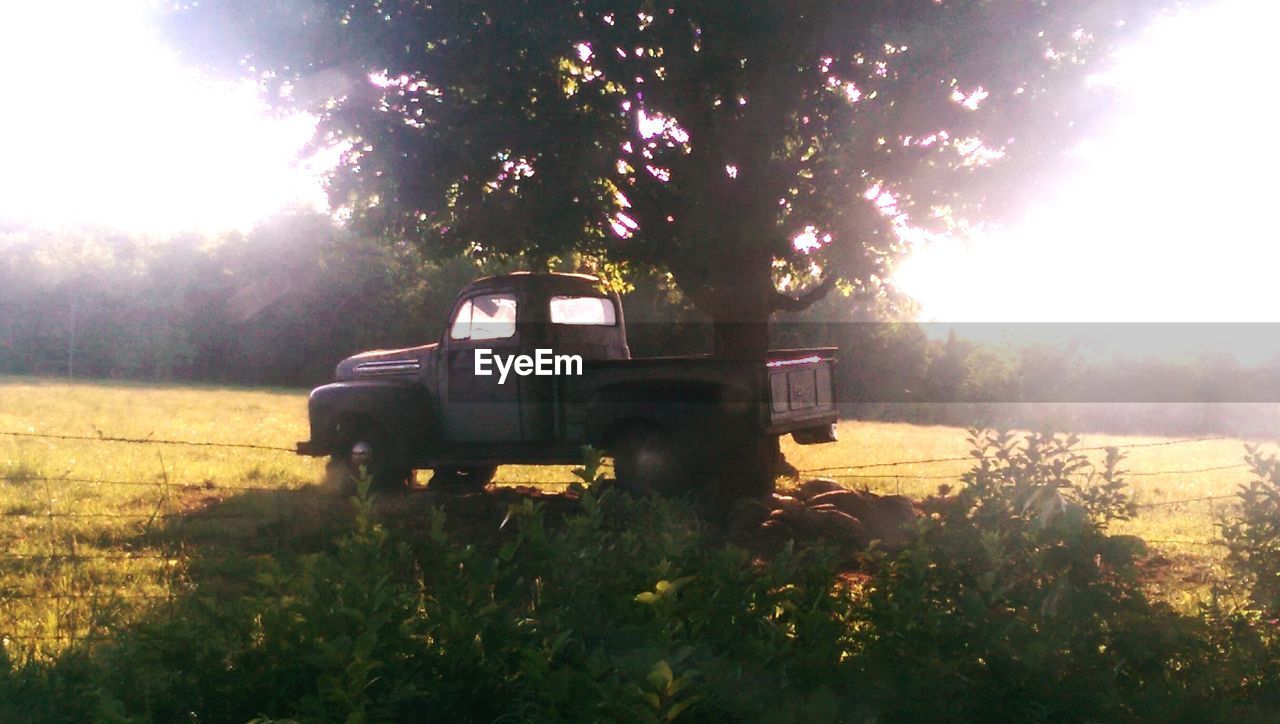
[{"x": 94, "y": 532}]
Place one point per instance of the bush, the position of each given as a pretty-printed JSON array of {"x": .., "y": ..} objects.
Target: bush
[
  {"x": 633, "y": 610},
  {"x": 630, "y": 610},
  {"x": 1254, "y": 537},
  {"x": 1249, "y": 635},
  {"x": 1014, "y": 602}
]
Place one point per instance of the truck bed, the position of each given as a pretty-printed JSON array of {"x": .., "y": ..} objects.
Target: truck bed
[{"x": 789, "y": 390}]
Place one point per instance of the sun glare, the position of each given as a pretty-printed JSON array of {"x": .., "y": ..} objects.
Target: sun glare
[
  {"x": 1170, "y": 219},
  {"x": 103, "y": 125}
]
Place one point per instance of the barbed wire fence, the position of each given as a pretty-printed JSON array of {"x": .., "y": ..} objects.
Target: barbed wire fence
[
  {"x": 66, "y": 585},
  {"x": 69, "y": 595}
]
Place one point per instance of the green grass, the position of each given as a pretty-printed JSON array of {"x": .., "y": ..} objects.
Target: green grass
[
  {"x": 159, "y": 520},
  {"x": 132, "y": 552},
  {"x": 146, "y": 522}
]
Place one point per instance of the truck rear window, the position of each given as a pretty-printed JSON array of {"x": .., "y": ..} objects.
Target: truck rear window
[{"x": 596, "y": 311}]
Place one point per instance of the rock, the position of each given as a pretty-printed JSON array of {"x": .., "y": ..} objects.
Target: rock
[
  {"x": 835, "y": 526},
  {"x": 853, "y": 502},
  {"x": 777, "y": 527},
  {"x": 785, "y": 502},
  {"x": 791, "y": 516},
  {"x": 746, "y": 514},
  {"x": 887, "y": 518},
  {"x": 817, "y": 486},
  {"x": 772, "y": 535}
]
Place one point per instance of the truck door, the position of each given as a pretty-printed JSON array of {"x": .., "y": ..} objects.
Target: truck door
[
  {"x": 477, "y": 408},
  {"x": 582, "y": 325}
]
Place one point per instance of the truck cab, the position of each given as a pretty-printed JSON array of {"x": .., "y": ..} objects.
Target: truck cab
[
  {"x": 531, "y": 367},
  {"x": 514, "y": 316}
]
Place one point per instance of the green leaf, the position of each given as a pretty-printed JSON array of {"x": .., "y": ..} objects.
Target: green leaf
[
  {"x": 660, "y": 675},
  {"x": 507, "y": 552},
  {"x": 677, "y": 708}
]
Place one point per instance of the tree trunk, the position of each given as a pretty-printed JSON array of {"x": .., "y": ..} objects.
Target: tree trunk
[
  {"x": 743, "y": 301},
  {"x": 741, "y": 333},
  {"x": 739, "y": 293},
  {"x": 741, "y": 340}
]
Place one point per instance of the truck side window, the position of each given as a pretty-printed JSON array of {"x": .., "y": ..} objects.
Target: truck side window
[
  {"x": 595, "y": 311},
  {"x": 461, "y": 328},
  {"x": 490, "y": 316}
]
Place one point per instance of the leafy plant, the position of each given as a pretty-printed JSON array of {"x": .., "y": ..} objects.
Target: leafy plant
[
  {"x": 1015, "y": 602},
  {"x": 591, "y": 471},
  {"x": 1254, "y": 537}
]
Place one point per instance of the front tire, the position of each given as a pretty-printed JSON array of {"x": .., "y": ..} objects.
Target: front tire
[{"x": 374, "y": 452}]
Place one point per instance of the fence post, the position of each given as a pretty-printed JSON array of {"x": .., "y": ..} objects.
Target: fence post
[
  {"x": 165, "y": 550},
  {"x": 52, "y": 562}
]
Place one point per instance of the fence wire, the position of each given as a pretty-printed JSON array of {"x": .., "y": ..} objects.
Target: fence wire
[
  {"x": 146, "y": 441},
  {"x": 170, "y": 553}
]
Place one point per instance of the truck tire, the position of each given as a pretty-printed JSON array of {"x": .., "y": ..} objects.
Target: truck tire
[
  {"x": 751, "y": 469},
  {"x": 471, "y": 479},
  {"x": 647, "y": 461},
  {"x": 370, "y": 448}
]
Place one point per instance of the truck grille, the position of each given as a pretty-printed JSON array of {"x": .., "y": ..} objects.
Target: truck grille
[{"x": 388, "y": 367}]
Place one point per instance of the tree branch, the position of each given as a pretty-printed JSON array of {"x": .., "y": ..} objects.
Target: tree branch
[{"x": 785, "y": 303}]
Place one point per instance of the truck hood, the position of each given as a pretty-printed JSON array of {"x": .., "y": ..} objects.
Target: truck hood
[{"x": 384, "y": 363}]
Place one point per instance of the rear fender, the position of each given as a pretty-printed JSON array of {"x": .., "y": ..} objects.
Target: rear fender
[{"x": 679, "y": 407}]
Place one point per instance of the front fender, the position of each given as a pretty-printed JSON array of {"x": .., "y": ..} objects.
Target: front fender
[{"x": 399, "y": 409}]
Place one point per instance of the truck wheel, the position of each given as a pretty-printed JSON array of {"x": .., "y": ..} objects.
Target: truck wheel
[
  {"x": 647, "y": 462},
  {"x": 462, "y": 480},
  {"x": 374, "y": 452},
  {"x": 751, "y": 468}
]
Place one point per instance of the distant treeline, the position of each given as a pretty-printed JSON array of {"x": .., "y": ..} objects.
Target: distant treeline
[
  {"x": 282, "y": 304},
  {"x": 278, "y": 306}
]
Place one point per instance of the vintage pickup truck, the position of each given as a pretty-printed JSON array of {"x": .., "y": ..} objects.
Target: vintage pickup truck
[{"x": 671, "y": 424}]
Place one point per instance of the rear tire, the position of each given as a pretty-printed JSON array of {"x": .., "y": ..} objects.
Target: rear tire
[
  {"x": 751, "y": 467},
  {"x": 647, "y": 461},
  {"x": 472, "y": 479}
]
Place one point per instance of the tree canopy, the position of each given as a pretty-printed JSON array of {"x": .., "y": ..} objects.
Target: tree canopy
[{"x": 758, "y": 151}]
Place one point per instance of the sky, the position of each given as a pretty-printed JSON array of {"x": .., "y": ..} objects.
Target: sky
[
  {"x": 1169, "y": 219},
  {"x": 103, "y": 125}
]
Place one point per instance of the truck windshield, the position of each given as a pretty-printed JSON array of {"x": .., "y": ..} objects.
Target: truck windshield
[
  {"x": 596, "y": 311},
  {"x": 491, "y": 316}
]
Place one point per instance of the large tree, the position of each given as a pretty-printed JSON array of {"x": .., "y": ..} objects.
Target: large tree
[{"x": 760, "y": 151}]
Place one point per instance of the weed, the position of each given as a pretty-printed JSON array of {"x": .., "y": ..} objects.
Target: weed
[{"x": 21, "y": 472}]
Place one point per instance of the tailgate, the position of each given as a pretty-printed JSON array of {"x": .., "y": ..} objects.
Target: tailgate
[{"x": 801, "y": 389}]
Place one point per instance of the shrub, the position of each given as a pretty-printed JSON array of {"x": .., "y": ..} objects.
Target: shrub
[
  {"x": 1254, "y": 537},
  {"x": 1015, "y": 602},
  {"x": 1249, "y": 635},
  {"x": 633, "y": 610},
  {"x": 630, "y": 610}
]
